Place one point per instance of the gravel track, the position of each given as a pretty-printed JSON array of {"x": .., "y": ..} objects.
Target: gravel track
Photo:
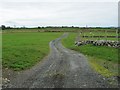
[{"x": 62, "y": 68}]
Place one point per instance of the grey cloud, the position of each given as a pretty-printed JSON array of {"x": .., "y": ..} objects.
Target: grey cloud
[{"x": 63, "y": 13}]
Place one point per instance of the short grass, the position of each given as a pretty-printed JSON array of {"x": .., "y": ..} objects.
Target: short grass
[
  {"x": 90, "y": 38},
  {"x": 93, "y": 33},
  {"x": 100, "y": 53},
  {"x": 23, "y": 50},
  {"x": 86, "y": 32},
  {"x": 106, "y": 68},
  {"x": 107, "y": 53}
]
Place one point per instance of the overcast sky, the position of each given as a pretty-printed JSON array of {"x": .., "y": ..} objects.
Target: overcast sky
[{"x": 59, "y": 12}]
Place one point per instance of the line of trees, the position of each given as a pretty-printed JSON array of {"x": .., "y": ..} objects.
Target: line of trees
[{"x": 3, "y": 27}]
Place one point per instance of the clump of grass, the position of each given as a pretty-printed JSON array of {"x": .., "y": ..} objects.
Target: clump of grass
[
  {"x": 58, "y": 75},
  {"x": 111, "y": 66},
  {"x": 101, "y": 68},
  {"x": 103, "y": 71},
  {"x": 23, "y": 50}
]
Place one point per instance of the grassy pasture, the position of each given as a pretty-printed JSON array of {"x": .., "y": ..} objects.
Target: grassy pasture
[
  {"x": 94, "y": 33},
  {"x": 100, "y": 57},
  {"x": 23, "y": 50},
  {"x": 67, "y": 29},
  {"x": 90, "y": 38}
]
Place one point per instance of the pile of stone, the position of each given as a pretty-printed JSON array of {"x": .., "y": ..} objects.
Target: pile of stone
[
  {"x": 5, "y": 82},
  {"x": 115, "y": 44}
]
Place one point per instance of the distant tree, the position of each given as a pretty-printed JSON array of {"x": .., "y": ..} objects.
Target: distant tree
[
  {"x": 39, "y": 27},
  {"x": 3, "y": 27},
  {"x": 8, "y": 27}
]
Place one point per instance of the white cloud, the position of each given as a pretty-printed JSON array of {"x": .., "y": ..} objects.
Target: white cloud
[
  {"x": 58, "y": 13},
  {"x": 60, "y": 0}
]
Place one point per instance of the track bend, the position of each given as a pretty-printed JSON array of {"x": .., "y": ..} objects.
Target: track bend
[{"x": 63, "y": 68}]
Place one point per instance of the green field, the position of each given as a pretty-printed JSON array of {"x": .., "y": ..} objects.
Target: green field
[
  {"x": 98, "y": 55},
  {"x": 99, "y": 33},
  {"x": 88, "y": 32},
  {"x": 23, "y": 50}
]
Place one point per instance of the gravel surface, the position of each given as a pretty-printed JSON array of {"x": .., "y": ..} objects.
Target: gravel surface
[{"x": 62, "y": 68}]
